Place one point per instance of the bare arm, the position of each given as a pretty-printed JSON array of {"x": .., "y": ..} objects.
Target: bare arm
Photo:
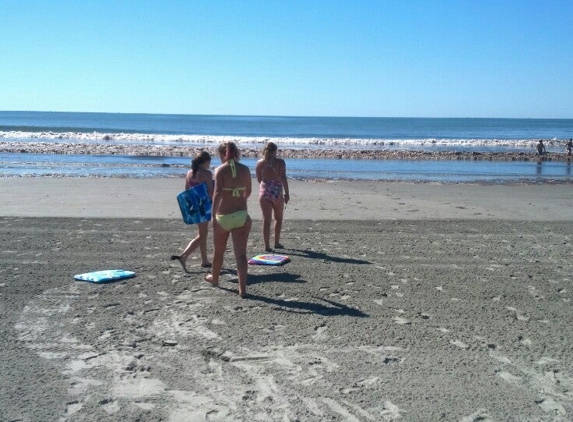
[
  {"x": 208, "y": 180},
  {"x": 284, "y": 181},
  {"x": 258, "y": 171},
  {"x": 188, "y": 179},
  {"x": 248, "y": 183},
  {"x": 216, "y": 193}
]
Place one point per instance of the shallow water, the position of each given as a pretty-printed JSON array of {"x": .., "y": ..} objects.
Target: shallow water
[
  {"x": 440, "y": 171},
  {"x": 322, "y": 134}
]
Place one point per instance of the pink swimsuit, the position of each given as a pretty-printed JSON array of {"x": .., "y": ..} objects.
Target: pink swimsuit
[{"x": 271, "y": 190}]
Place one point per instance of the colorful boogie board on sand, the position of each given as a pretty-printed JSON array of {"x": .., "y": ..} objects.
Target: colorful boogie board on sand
[
  {"x": 104, "y": 276},
  {"x": 195, "y": 204},
  {"x": 269, "y": 259}
]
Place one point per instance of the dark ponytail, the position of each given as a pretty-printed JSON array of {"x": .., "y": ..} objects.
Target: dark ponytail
[{"x": 198, "y": 161}]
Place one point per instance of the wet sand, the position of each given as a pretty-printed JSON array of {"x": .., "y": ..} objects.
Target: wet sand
[{"x": 420, "y": 302}]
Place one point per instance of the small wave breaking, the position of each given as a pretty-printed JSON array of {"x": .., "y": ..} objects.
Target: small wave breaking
[{"x": 291, "y": 142}]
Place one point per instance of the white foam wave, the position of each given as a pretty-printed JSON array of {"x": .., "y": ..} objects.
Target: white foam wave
[{"x": 282, "y": 141}]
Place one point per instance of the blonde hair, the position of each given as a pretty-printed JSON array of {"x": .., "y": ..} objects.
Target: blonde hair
[
  {"x": 229, "y": 150},
  {"x": 269, "y": 150}
]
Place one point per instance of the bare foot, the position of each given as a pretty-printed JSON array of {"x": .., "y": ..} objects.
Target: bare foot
[
  {"x": 279, "y": 246},
  {"x": 181, "y": 261},
  {"x": 243, "y": 294},
  {"x": 207, "y": 265},
  {"x": 209, "y": 279},
  {"x": 268, "y": 250}
]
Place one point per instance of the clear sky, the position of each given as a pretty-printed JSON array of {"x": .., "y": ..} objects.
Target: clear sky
[{"x": 384, "y": 58}]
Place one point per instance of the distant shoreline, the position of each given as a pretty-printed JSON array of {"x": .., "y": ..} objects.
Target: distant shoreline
[{"x": 312, "y": 153}]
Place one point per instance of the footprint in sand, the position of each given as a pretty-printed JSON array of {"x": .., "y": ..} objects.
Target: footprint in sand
[
  {"x": 500, "y": 358},
  {"x": 479, "y": 415},
  {"x": 518, "y": 315},
  {"x": 401, "y": 321},
  {"x": 129, "y": 369},
  {"x": 546, "y": 360},
  {"x": 459, "y": 344},
  {"x": 510, "y": 378},
  {"x": 321, "y": 333},
  {"x": 533, "y": 292},
  {"x": 551, "y": 406},
  {"x": 553, "y": 386}
]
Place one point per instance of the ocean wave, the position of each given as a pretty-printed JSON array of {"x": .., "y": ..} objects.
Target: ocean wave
[{"x": 212, "y": 140}]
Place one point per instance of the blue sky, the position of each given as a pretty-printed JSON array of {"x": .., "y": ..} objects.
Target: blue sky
[{"x": 399, "y": 58}]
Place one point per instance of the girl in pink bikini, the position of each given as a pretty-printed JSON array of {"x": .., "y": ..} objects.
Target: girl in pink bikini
[{"x": 271, "y": 174}]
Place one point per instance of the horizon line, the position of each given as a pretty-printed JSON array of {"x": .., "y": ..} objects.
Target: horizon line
[{"x": 283, "y": 115}]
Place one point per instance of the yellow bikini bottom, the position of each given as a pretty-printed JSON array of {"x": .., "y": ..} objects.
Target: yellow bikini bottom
[{"x": 232, "y": 221}]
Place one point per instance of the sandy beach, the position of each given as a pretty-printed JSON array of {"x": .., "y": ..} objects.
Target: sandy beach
[{"x": 415, "y": 302}]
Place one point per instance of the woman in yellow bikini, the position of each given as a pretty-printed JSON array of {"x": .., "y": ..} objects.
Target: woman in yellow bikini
[
  {"x": 230, "y": 216},
  {"x": 271, "y": 174}
]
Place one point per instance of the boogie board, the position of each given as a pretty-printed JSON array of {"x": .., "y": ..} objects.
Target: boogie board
[
  {"x": 195, "y": 204},
  {"x": 104, "y": 276},
  {"x": 269, "y": 259}
]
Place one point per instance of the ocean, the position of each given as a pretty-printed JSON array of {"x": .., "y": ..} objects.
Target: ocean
[{"x": 311, "y": 133}]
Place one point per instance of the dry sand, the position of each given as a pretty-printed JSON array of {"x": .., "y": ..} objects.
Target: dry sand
[
  {"x": 154, "y": 198},
  {"x": 402, "y": 302}
]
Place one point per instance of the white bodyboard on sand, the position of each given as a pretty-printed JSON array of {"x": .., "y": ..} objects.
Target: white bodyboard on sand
[{"x": 269, "y": 259}]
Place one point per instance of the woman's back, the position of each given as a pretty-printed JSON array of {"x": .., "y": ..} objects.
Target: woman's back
[
  {"x": 232, "y": 188},
  {"x": 201, "y": 176},
  {"x": 270, "y": 169}
]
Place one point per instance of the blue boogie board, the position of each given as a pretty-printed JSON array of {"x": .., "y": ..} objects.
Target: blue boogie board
[
  {"x": 104, "y": 276},
  {"x": 195, "y": 204}
]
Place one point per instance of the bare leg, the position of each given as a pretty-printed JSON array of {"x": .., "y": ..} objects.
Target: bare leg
[
  {"x": 278, "y": 208},
  {"x": 220, "y": 238},
  {"x": 198, "y": 241},
  {"x": 181, "y": 261},
  {"x": 240, "y": 238},
  {"x": 267, "y": 209},
  {"x": 203, "y": 232}
]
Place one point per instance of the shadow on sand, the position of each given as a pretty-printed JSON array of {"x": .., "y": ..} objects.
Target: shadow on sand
[
  {"x": 275, "y": 277},
  {"x": 329, "y": 308},
  {"x": 326, "y": 257}
]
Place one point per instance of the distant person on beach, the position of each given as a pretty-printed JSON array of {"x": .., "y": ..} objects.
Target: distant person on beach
[
  {"x": 198, "y": 174},
  {"x": 230, "y": 216},
  {"x": 271, "y": 175},
  {"x": 541, "y": 148},
  {"x": 569, "y": 147}
]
